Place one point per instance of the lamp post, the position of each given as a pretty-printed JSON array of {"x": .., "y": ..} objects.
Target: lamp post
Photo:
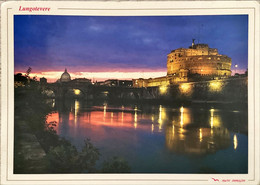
[{"x": 236, "y": 68}]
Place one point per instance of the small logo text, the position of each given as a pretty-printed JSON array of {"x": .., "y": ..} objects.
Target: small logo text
[
  {"x": 228, "y": 180},
  {"x": 34, "y": 9}
]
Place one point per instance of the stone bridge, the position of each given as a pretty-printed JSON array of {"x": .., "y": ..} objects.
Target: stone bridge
[
  {"x": 89, "y": 91},
  {"x": 232, "y": 90}
]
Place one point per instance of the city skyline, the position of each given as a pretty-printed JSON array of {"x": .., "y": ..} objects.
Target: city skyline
[{"x": 105, "y": 47}]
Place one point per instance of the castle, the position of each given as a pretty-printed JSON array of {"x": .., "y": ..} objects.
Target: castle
[{"x": 187, "y": 64}]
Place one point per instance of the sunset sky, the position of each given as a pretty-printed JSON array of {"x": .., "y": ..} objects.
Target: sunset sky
[{"x": 120, "y": 47}]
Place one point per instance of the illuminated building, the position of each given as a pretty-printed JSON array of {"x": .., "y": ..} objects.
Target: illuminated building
[
  {"x": 118, "y": 83},
  {"x": 198, "y": 59},
  {"x": 183, "y": 64},
  {"x": 81, "y": 80},
  {"x": 125, "y": 83},
  {"x": 65, "y": 77}
]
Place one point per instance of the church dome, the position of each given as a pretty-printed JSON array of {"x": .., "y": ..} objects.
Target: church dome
[{"x": 65, "y": 77}]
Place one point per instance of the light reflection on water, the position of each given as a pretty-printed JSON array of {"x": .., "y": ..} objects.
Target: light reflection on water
[{"x": 153, "y": 138}]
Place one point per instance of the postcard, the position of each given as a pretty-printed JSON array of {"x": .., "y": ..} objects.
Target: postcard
[{"x": 118, "y": 92}]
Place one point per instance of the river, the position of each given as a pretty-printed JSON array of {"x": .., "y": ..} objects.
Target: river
[{"x": 159, "y": 138}]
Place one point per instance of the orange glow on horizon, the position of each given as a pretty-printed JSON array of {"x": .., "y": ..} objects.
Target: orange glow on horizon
[{"x": 53, "y": 76}]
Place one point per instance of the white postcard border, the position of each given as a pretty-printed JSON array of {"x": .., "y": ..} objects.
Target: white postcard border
[{"x": 9, "y": 9}]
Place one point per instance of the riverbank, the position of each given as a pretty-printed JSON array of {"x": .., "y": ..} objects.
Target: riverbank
[{"x": 29, "y": 155}]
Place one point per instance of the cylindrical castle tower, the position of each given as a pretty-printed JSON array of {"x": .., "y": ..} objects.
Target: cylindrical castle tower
[{"x": 198, "y": 59}]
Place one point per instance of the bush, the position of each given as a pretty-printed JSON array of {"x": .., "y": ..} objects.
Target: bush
[
  {"x": 62, "y": 158},
  {"x": 116, "y": 165},
  {"x": 66, "y": 159},
  {"x": 88, "y": 156}
]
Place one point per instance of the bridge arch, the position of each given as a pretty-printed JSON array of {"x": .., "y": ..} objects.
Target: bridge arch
[{"x": 74, "y": 92}]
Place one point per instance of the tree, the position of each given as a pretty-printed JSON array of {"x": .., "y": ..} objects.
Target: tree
[
  {"x": 28, "y": 72},
  {"x": 116, "y": 165},
  {"x": 20, "y": 78},
  {"x": 65, "y": 158}
]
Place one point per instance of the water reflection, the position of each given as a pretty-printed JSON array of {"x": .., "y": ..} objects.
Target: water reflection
[
  {"x": 126, "y": 129},
  {"x": 181, "y": 123},
  {"x": 105, "y": 111},
  {"x": 51, "y": 102},
  {"x": 211, "y": 118},
  {"x": 135, "y": 118},
  {"x": 197, "y": 140},
  {"x": 235, "y": 142},
  {"x": 186, "y": 137},
  {"x": 77, "y": 106}
]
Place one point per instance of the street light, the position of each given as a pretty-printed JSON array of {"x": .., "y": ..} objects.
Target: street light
[{"x": 236, "y": 68}]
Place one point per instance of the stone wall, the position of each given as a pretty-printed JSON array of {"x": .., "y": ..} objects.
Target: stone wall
[
  {"x": 228, "y": 90},
  {"x": 203, "y": 65}
]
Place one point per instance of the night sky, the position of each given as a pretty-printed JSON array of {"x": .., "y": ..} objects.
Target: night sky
[{"x": 120, "y": 47}]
